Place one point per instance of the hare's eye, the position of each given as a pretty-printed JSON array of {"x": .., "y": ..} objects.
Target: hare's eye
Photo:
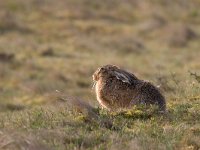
[{"x": 101, "y": 69}]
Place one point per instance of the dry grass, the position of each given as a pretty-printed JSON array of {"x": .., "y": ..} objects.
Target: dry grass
[{"x": 47, "y": 45}]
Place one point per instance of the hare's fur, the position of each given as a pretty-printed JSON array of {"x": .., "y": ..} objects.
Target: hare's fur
[{"x": 116, "y": 88}]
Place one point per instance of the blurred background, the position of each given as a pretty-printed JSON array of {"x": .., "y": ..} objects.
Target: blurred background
[{"x": 48, "y": 45}]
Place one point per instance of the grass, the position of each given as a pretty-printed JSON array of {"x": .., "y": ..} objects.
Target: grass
[
  {"x": 47, "y": 46},
  {"x": 62, "y": 128}
]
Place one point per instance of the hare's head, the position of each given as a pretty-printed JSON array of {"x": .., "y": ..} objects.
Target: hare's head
[{"x": 103, "y": 72}]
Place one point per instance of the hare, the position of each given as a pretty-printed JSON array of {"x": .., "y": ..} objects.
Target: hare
[{"x": 116, "y": 88}]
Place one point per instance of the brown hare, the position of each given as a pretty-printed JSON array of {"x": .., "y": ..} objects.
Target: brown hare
[{"x": 116, "y": 88}]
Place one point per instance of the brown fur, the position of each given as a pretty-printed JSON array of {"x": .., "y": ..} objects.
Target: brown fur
[{"x": 116, "y": 88}]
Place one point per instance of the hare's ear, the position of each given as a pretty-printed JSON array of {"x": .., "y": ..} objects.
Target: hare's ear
[
  {"x": 125, "y": 76},
  {"x": 121, "y": 76}
]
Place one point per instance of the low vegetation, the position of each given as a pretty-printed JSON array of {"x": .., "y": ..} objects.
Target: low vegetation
[{"x": 51, "y": 45}]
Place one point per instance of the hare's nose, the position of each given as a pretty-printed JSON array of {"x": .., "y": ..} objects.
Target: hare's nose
[{"x": 94, "y": 77}]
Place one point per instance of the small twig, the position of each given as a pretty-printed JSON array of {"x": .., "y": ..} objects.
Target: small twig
[
  {"x": 174, "y": 78},
  {"x": 78, "y": 103},
  {"x": 197, "y": 77},
  {"x": 85, "y": 108}
]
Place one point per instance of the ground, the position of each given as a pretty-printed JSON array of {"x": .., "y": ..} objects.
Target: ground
[{"x": 48, "y": 45}]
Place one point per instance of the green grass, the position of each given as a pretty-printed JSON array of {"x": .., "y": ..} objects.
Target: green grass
[
  {"x": 148, "y": 129},
  {"x": 48, "y": 45}
]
